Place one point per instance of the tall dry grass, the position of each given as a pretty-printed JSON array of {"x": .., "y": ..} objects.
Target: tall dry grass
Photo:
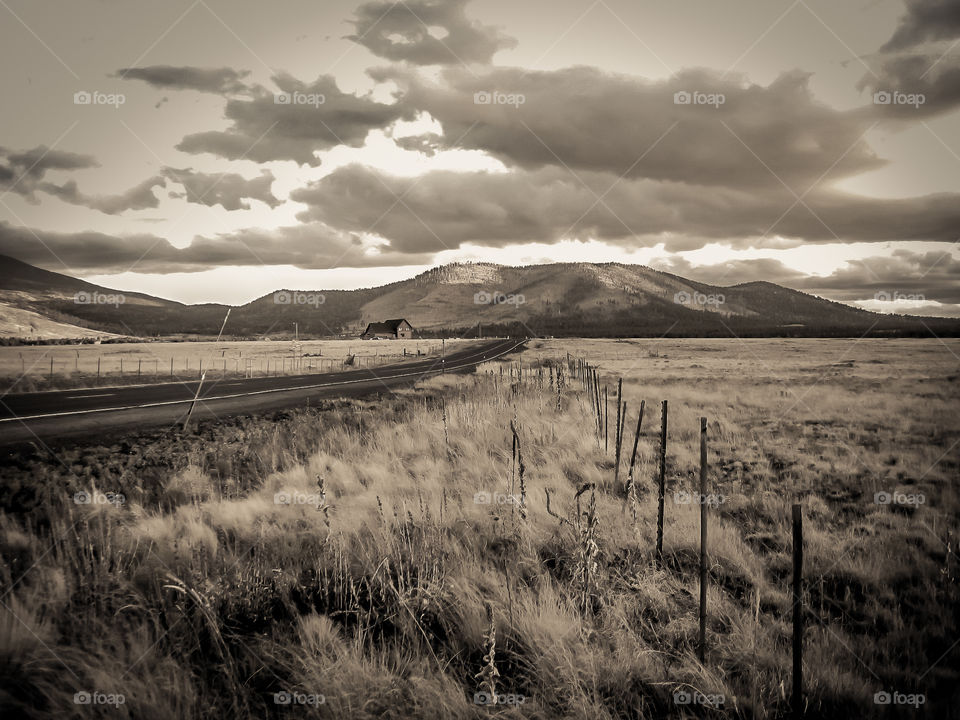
[{"x": 400, "y": 560}]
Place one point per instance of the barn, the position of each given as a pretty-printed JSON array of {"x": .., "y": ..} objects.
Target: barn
[{"x": 397, "y": 329}]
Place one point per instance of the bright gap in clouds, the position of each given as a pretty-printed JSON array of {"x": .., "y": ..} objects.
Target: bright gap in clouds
[{"x": 239, "y": 285}]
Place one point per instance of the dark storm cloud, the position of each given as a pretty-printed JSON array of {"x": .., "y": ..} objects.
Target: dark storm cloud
[
  {"x": 918, "y": 61},
  {"x": 444, "y": 209},
  {"x": 587, "y": 119},
  {"x": 23, "y": 172},
  {"x": 210, "y": 80},
  {"x": 294, "y": 123},
  {"x": 931, "y": 276},
  {"x": 934, "y": 80},
  {"x": 401, "y": 31},
  {"x": 311, "y": 246},
  {"x": 138, "y": 197},
  {"x": 229, "y": 190},
  {"x": 925, "y": 20}
]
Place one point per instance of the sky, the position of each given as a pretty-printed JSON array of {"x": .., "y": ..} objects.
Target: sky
[{"x": 217, "y": 150}]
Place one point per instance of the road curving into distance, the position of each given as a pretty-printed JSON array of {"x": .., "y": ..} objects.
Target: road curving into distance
[{"x": 33, "y": 417}]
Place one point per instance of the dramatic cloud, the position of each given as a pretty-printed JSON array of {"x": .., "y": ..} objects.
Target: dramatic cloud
[
  {"x": 293, "y": 124},
  {"x": 227, "y": 189},
  {"x": 917, "y": 73},
  {"x": 210, "y": 80},
  {"x": 914, "y": 86},
  {"x": 925, "y": 20},
  {"x": 23, "y": 172},
  {"x": 312, "y": 246},
  {"x": 426, "y": 32},
  {"x": 139, "y": 197},
  {"x": 445, "y": 209},
  {"x": 930, "y": 276},
  {"x": 586, "y": 119}
]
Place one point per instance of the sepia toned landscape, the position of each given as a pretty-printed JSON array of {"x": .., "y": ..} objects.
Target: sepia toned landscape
[
  {"x": 396, "y": 558},
  {"x": 473, "y": 359}
]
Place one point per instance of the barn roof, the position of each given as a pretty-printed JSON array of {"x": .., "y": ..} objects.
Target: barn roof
[{"x": 387, "y": 326}]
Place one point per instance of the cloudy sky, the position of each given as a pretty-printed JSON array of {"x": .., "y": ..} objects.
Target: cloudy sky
[{"x": 216, "y": 150}]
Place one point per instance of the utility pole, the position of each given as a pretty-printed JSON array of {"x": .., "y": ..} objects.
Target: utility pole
[{"x": 224, "y": 324}]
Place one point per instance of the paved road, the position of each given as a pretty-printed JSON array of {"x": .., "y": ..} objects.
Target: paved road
[{"x": 30, "y": 417}]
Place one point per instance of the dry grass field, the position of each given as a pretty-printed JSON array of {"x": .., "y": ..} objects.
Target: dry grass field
[
  {"x": 395, "y": 559},
  {"x": 28, "y": 368}
]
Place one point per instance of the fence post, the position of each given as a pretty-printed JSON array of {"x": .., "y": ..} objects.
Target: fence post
[
  {"x": 661, "y": 485},
  {"x": 797, "y": 699},
  {"x": 703, "y": 538}
]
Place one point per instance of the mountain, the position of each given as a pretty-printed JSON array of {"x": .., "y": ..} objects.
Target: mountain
[{"x": 563, "y": 299}]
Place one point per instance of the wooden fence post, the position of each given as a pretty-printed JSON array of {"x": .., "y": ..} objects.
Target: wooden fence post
[
  {"x": 797, "y": 699},
  {"x": 703, "y": 538},
  {"x": 662, "y": 483}
]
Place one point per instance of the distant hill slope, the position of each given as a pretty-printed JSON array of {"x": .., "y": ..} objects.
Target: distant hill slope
[
  {"x": 564, "y": 299},
  {"x": 25, "y": 324}
]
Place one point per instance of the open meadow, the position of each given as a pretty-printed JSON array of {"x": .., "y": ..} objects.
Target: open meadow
[
  {"x": 25, "y": 368},
  {"x": 477, "y": 539}
]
